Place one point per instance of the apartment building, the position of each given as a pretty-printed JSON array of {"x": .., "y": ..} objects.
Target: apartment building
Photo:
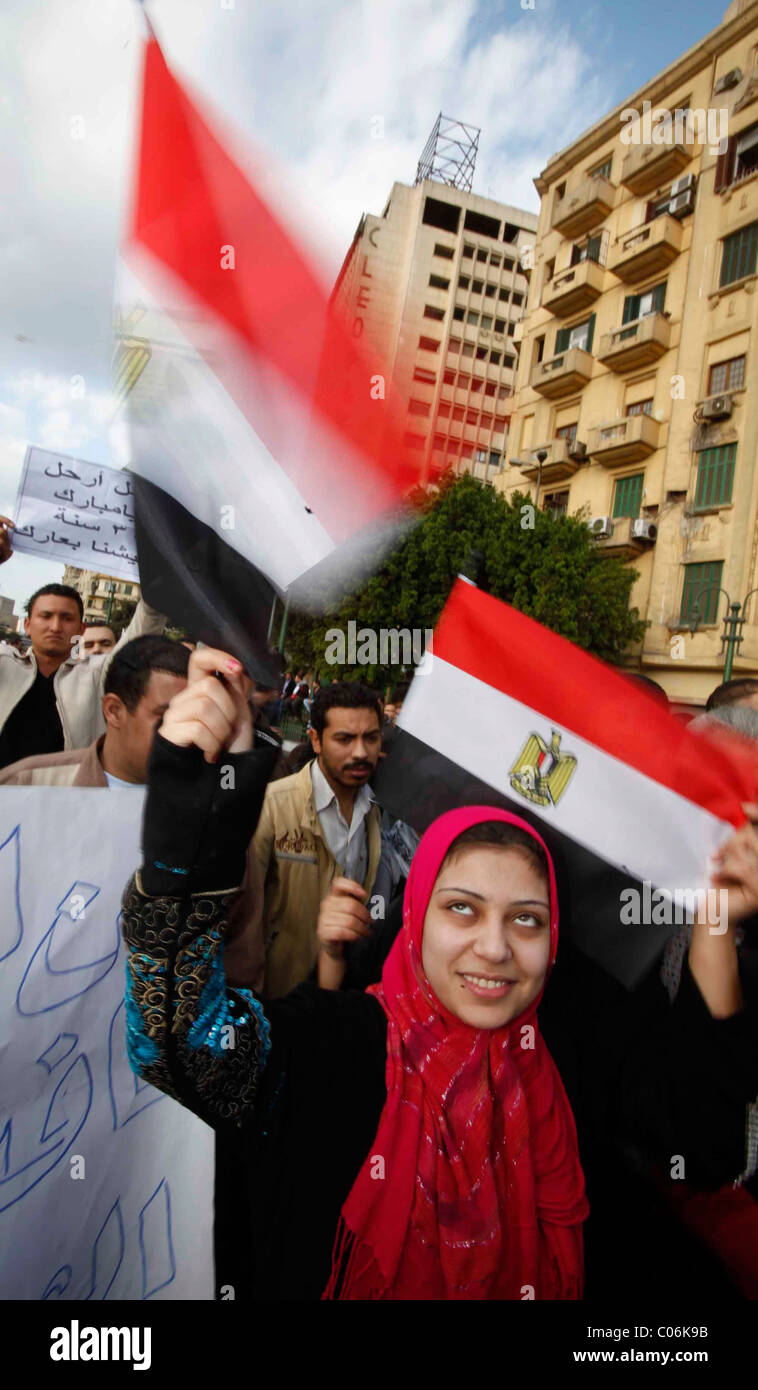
[
  {"x": 637, "y": 401},
  {"x": 100, "y": 592},
  {"x": 437, "y": 284}
]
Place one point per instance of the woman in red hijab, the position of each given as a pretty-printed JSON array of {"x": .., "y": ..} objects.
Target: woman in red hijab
[{"x": 483, "y": 1194}]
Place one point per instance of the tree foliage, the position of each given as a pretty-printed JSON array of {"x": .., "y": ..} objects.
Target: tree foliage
[{"x": 546, "y": 566}]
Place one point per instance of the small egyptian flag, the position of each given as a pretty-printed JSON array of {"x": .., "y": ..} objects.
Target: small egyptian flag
[
  {"x": 508, "y": 713},
  {"x": 266, "y": 449}
]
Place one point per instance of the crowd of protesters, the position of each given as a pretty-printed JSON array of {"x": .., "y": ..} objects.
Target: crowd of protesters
[{"x": 427, "y": 1097}]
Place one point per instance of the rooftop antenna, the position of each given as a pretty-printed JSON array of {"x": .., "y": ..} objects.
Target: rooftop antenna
[{"x": 449, "y": 154}]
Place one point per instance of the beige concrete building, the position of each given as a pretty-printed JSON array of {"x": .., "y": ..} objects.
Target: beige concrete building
[
  {"x": 437, "y": 285},
  {"x": 97, "y": 593},
  {"x": 638, "y": 354}
]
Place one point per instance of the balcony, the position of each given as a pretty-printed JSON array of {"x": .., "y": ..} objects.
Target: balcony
[
  {"x": 558, "y": 466},
  {"x": 581, "y": 209},
  {"x": 622, "y": 544},
  {"x": 573, "y": 290},
  {"x": 649, "y": 166},
  {"x": 561, "y": 375},
  {"x": 636, "y": 344},
  {"x": 624, "y": 441},
  {"x": 647, "y": 250}
]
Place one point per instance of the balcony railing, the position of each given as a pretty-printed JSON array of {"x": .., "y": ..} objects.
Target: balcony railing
[
  {"x": 562, "y": 374},
  {"x": 648, "y": 166},
  {"x": 584, "y": 207},
  {"x": 635, "y": 344},
  {"x": 624, "y": 441},
  {"x": 646, "y": 250},
  {"x": 621, "y": 543},
  {"x": 574, "y": 289},
  {"x": 558, "y": 466}
]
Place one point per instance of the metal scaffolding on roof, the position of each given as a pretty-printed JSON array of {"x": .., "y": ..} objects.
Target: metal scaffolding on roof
[{"x": 449, "y": 154}]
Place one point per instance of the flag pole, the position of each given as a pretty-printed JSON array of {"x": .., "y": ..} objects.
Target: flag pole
[{"x": 151, "y": 32}]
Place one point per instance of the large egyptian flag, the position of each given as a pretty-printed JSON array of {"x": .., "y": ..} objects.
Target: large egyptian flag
[
  {"x": 260, "y": 431},
  {"x": 508, "y": 713}
]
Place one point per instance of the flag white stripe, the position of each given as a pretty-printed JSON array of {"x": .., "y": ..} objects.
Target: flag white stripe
[{"x": 615, "y": 811}]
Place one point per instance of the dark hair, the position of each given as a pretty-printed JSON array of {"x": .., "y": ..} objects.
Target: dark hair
[
  {"x": 58, "y": 591},
  {"x": 646, "y": 683},
  {"x": 502, "y": 836},
  {"x": 132, "y": 665},
  {"x": 87, "y": 626},
  {"x": 399, "y": 692},
  {"x": 343, "y": 695},
  {"x": 730, "y": 692}
]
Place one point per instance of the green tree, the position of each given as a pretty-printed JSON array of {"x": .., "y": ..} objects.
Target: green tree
[{"x": 548, "y": 567}]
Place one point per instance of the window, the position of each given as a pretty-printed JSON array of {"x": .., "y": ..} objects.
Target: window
[
  {"x": 580, "y": 336},
  {"x": 443, "y": 412},
  {"x": 463, "y": 381},
  {"x": 510, "y": 232},
  {"x": 477, "y": 287},
  {"x": 589, "y": 250},
  {"x": 560, "y": 190},
  {"x": 739, "y": 160},
  {"x": 439, "y": 441},
  {"x": 486, "y": 322},
  {"x": 503, "y": 292},
  {"x": 429, "y": 344},
  {"x": 482, "y": 225},
  {"x": 602, "y": 171},
  {"x": 468, "y": 252},
  {"x": 448, "y": 377},
  {"x": 567, "y": 432},
  {"x": 508, "y": 361},
  {"x": 556, "y": 503},
  {"x": 507, "y": 265},
  {"x": 421, "y": 374},
  {"x": 715, "y": 475},
  {"x": 500, "y": 424},
  {"x": 486, "y": 422},
  {"x": 482, "y": 256},
  {"x": 468, "y": 349},
  {"x": 418, "y": 407},
  {"x": 458, "y": 413},
  {"x": 727, "y": 376},
  {"x": 430, "y": 312},
  {"x": 740, "y": 255},
  {"x": 517, "y": 299},
  {"x": 446, "y": 251},
  {"x": 627, "y": 495},
  {"x": 458, "y": 314},
  {"x": 471, "y": 417},
  {"x": 494, "y": 260},
  {"x": 416, "y": 441},
  {"x": 639, "y": 306},
  {"x": 490, "y": 291},
  {"x": 464, "y": 281},
  {"x": 454, "y": 345},
  {"x": 657, "y": 208},
  {"x": 490, "y": 388},
  {"x": 472, "y": 317},
  {"x": 503, "y": 392},
  {"x": 701, "y": 592},
  {"x": 438, "y": 282},
  {"x": 499, "y": 325},
  {"x": 446, "y": 216},
  {"x": 640, "y": 408},
  {"x": 481, "y": 354},
  {"x": 477, "y": 384},
  {"x": 495, "y": 356}
]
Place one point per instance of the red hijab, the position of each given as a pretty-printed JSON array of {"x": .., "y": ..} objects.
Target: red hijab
[{"x": 472, "y": 1187}]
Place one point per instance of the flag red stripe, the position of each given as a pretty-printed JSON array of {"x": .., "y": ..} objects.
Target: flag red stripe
[
  {"x": 514, "y": 654},
  {"x": 191, "y": 201}
]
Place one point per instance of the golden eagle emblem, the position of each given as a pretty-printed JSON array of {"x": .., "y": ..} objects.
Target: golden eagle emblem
[{"x": 541, "y": 772}]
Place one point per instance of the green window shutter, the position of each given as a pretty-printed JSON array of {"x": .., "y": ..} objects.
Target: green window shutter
[
  {"x": 715, "y": 476},
  {"x": 593, "y": 248},
  {"x": 740, "y": 254},
  {"x": 561, "y": 340},
  {"x": 659, "y": 298},
  {"x": 628, "y": 496},
  {"x": 701, "y": 592},
  {"x": 590, "y": 333},
  {"x": 631, "y": 308}
]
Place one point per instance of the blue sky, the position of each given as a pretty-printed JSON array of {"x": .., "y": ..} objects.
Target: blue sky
[{"x": 301, "y": 81}]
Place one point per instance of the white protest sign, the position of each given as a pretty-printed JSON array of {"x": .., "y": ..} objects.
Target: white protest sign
[
  {"x": 77, "y": 512},
  {"x": 106, "y": 1185}
]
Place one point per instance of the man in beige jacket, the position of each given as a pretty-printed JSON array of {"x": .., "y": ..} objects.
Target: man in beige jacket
[{"x": 320, "y": 824}]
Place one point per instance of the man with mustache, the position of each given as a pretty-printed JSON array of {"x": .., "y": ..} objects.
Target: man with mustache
[{"x": 317, "y": 827}]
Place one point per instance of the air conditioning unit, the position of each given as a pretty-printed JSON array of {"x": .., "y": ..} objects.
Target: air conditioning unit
[
  {"x": 577, "y": 451},
  {"x": 681, "y": 185},
  {"x": 601, "y": 527},
  {"x": 644, "y": 530},
  {"x": 717, "y": 408},
  {"x": 730, "y": 79},
  {"x": 682, "y": 204}
]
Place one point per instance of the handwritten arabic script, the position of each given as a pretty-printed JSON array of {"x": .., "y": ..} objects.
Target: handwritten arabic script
[{"x": 89, "y": 522}]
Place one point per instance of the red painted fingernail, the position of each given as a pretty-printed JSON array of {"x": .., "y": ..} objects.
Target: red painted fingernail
[{"x": 234, "y": 666}]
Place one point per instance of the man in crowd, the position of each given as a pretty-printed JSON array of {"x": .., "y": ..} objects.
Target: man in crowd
[
  {"x": 320, "y": 824},
  {"x": 743, "y": 690},
  {"x": 141, "y": 680},
  {"x": 96, "y": 639},
  {"x": 50, "y": 700}
]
